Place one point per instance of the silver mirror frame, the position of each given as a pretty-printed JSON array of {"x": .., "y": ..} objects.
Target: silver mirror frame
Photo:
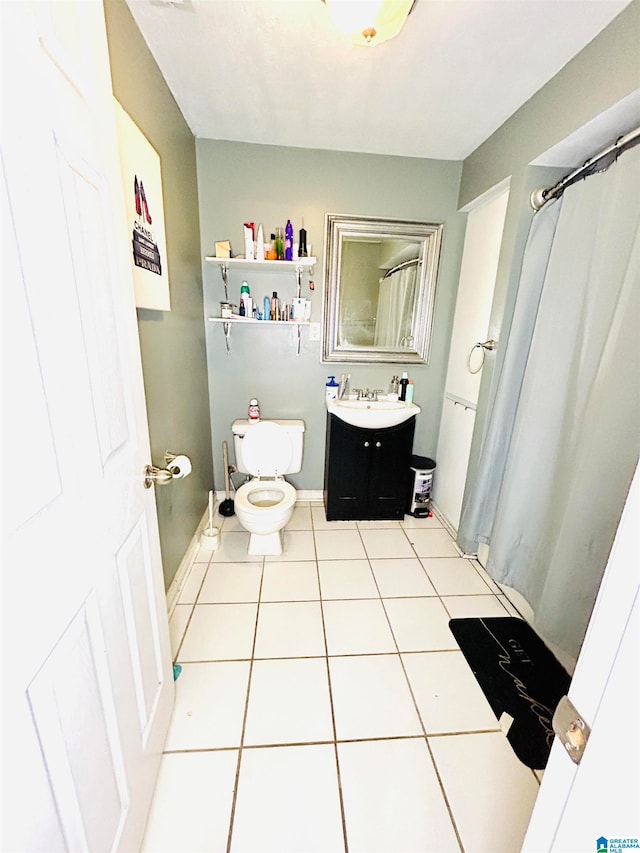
[{"x": 340, "y": 227}]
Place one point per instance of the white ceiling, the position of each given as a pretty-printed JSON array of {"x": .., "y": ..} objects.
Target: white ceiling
[{"x": 278, "y": 72}]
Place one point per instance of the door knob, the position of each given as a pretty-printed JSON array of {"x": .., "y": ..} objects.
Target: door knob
[
  {"x": 177, "y": 468},
  {"x": 366, "y": 444},
  {"x": 378, "y": 444},
  {"x": 159, "y": 476}
]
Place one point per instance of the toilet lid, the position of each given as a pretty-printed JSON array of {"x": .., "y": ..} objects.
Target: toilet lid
[{"x": 266, "y": 449}]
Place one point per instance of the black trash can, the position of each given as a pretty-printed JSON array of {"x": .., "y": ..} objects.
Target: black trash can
[{"x": 421, "y": 484}]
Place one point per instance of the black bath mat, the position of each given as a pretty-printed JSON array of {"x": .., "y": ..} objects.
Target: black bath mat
[{"x": 519, "y": 676}]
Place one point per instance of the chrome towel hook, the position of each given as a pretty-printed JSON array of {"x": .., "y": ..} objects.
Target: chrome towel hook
[{"x": 484, "y": 346}]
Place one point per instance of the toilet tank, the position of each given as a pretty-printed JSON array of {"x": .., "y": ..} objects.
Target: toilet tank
[{"x": 295, "y": 429}]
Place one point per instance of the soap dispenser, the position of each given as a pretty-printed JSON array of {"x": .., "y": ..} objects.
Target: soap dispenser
[
  {"x": 331, "y": 389},
  {"x": 404, "y": 381}
]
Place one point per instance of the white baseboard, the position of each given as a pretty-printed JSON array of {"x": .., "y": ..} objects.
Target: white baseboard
[{"x": 181, "y": 575}]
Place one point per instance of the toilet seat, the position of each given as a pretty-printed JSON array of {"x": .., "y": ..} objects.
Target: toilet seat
[
  {"x": 266, "y": 450},
  {"x": 259, "y": 497}
]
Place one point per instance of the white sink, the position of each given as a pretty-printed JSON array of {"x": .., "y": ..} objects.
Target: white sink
[{"x": 372, "y": 414}]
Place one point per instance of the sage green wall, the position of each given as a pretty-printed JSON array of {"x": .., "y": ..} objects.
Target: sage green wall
[
  {"x": 241, "y": 182},
  {"x": 172, "y": 342},
  {"x": 602, "y": 74}
]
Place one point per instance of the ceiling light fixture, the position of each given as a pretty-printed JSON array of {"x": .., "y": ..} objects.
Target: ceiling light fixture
[{"x": 369, "y": 22}]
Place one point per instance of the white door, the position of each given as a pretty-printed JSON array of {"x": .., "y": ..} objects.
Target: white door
[
  {"x": 600, "y": 798},
  {"x": 87, "y": 678},
  {"x": 483, "y": 239}
]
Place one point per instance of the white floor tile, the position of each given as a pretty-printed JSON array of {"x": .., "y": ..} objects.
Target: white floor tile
[
  {"x": 289, "y": 702},
  {"x": 377, "y": 525},
  {"x": 491, "y": 793},
  {"x": 420, "y": 624},
  {"x": 290, "y": 581},
  {"x": 289, "y": 630},
  {"x": 448, "y": 696},
  {"x": 386, "y": 544},
  {"x": 320, "y": 521},
  {"x": 357, "y": 628},
  {"x": 191, "y": 806},
  {"x": 371, "y": 698},
  {"x": 178, "y": 625},
  {"x": 219, "y": 632},
  {"x": 209, "y": 706},
  {"x": 228, "y": 523},
  {"x": 455, "y": 576},
  {"x": 432, "y": 542},
  {"x": 339, "y": 545},
  {"x": 392, "y": 798},
  {"x": 301, "y": 518},
  {"x": 470, "y": 606},
  {"x": 430, "y": 523},
  {"x": 297, "y": 545},
  {"x": 226, "y": 583},
  {"x": 233, "y": 549},
  {"x": 493, "y": 586},
  {"x": 398, "y": 578},
  {"x": 193, "y": 582},
  {"x": 346, "y": 579},
  {"x": 288, "y": 801}
]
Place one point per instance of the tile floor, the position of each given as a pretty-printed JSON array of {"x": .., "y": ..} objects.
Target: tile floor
[{"x": 324, "y": 705}]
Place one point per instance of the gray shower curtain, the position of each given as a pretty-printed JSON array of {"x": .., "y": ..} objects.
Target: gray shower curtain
[{"x": 561, "y": 443}]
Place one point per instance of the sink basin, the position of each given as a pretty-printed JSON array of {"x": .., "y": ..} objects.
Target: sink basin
[{"x": 372, "y": 414}]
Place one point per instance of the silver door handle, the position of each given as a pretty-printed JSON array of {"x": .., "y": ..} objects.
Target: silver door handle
[
  {"x": 177, "y": 467},
  {"x": 159, "y": 476}
]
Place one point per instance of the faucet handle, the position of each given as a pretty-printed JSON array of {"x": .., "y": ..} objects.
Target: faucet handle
[{"x": 376, "y": 392}]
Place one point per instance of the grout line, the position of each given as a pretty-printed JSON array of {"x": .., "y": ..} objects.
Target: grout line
[
  {"x": 333, "y": 720},
  {"x": 244, "y": 721}
]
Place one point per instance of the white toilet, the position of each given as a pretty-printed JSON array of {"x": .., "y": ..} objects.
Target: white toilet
[{"x": 267, "y": 450}]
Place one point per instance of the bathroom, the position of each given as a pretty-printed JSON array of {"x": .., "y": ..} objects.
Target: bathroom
[{"x": 194, "y": 388}]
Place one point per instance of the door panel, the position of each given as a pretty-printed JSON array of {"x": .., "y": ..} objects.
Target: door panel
[{"x": 85, "y": 641}]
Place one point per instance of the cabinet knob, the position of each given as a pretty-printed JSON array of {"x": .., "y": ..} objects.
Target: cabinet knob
[
  {"x": 378, "y": 444},
  {"x": 366, "y": 444}
]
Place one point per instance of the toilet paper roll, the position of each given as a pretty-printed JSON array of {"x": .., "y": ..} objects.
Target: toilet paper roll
[{"x": 180, "y": 467}]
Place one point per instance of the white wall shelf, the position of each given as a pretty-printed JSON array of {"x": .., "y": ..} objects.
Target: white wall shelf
[{"x": 297, "y": 266}]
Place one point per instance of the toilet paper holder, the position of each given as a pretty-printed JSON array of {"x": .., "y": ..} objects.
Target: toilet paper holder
[{"x": 177, "y": 467}]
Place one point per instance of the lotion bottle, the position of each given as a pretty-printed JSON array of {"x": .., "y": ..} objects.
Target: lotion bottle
[
  {"x": 331, "y": 389},
  {"x": 409, "y": 397}
]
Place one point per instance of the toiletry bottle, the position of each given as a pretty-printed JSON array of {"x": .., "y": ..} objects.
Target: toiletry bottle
[
  {"x": 331, "y": 389},
  {"x": 249, "y": 247},
  {"x": 270, "y": 251},
  {"x": 288, "y": 241},
  {"x": 246, "y": 304},
  {"x": 302, "y": 244},
  {"x": 274, "y": 313},
  {"x": 409, "y": 396},
  {"x": 267, "y": 309},
  {"x": 254, "y": 412},
  {"x": 404, "y": 381},
  {"x": 279, "y": 244},
  {"x": 260, "y": 245}
]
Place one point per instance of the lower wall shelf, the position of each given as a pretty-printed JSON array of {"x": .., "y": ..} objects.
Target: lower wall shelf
[{"x": 227, "y": 322}]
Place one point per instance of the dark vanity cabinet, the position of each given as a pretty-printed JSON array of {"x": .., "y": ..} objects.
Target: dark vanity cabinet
[{"x": 366, "y": 471}]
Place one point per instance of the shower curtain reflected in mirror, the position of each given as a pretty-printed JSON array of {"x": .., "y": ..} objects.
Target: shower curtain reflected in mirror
[{"x": 394, "y": 315}]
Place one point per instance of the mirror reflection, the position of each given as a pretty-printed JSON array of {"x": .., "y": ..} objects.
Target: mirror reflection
[{"x": 380, "y": 280}]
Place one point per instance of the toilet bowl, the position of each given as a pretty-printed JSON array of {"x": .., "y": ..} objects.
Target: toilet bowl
[{"x": 265, "y": 503}]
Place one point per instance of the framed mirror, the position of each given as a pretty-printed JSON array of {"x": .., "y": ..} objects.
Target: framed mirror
[{"x": 380, "y": 280}]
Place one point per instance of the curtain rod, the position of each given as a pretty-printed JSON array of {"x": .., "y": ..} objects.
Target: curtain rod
[
  {"x": 401, "y": 267},
  {"x": 544, "y": 194}
]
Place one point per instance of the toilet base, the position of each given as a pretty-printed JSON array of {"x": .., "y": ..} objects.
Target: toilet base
[{"x": 265, "y": 544}]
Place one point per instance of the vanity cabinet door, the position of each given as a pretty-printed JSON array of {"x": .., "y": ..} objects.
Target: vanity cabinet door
[
  {"x": 346, "y": 470},
  {"x": 366, "y": 471},
  {"x": 389, "y": 471}
]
